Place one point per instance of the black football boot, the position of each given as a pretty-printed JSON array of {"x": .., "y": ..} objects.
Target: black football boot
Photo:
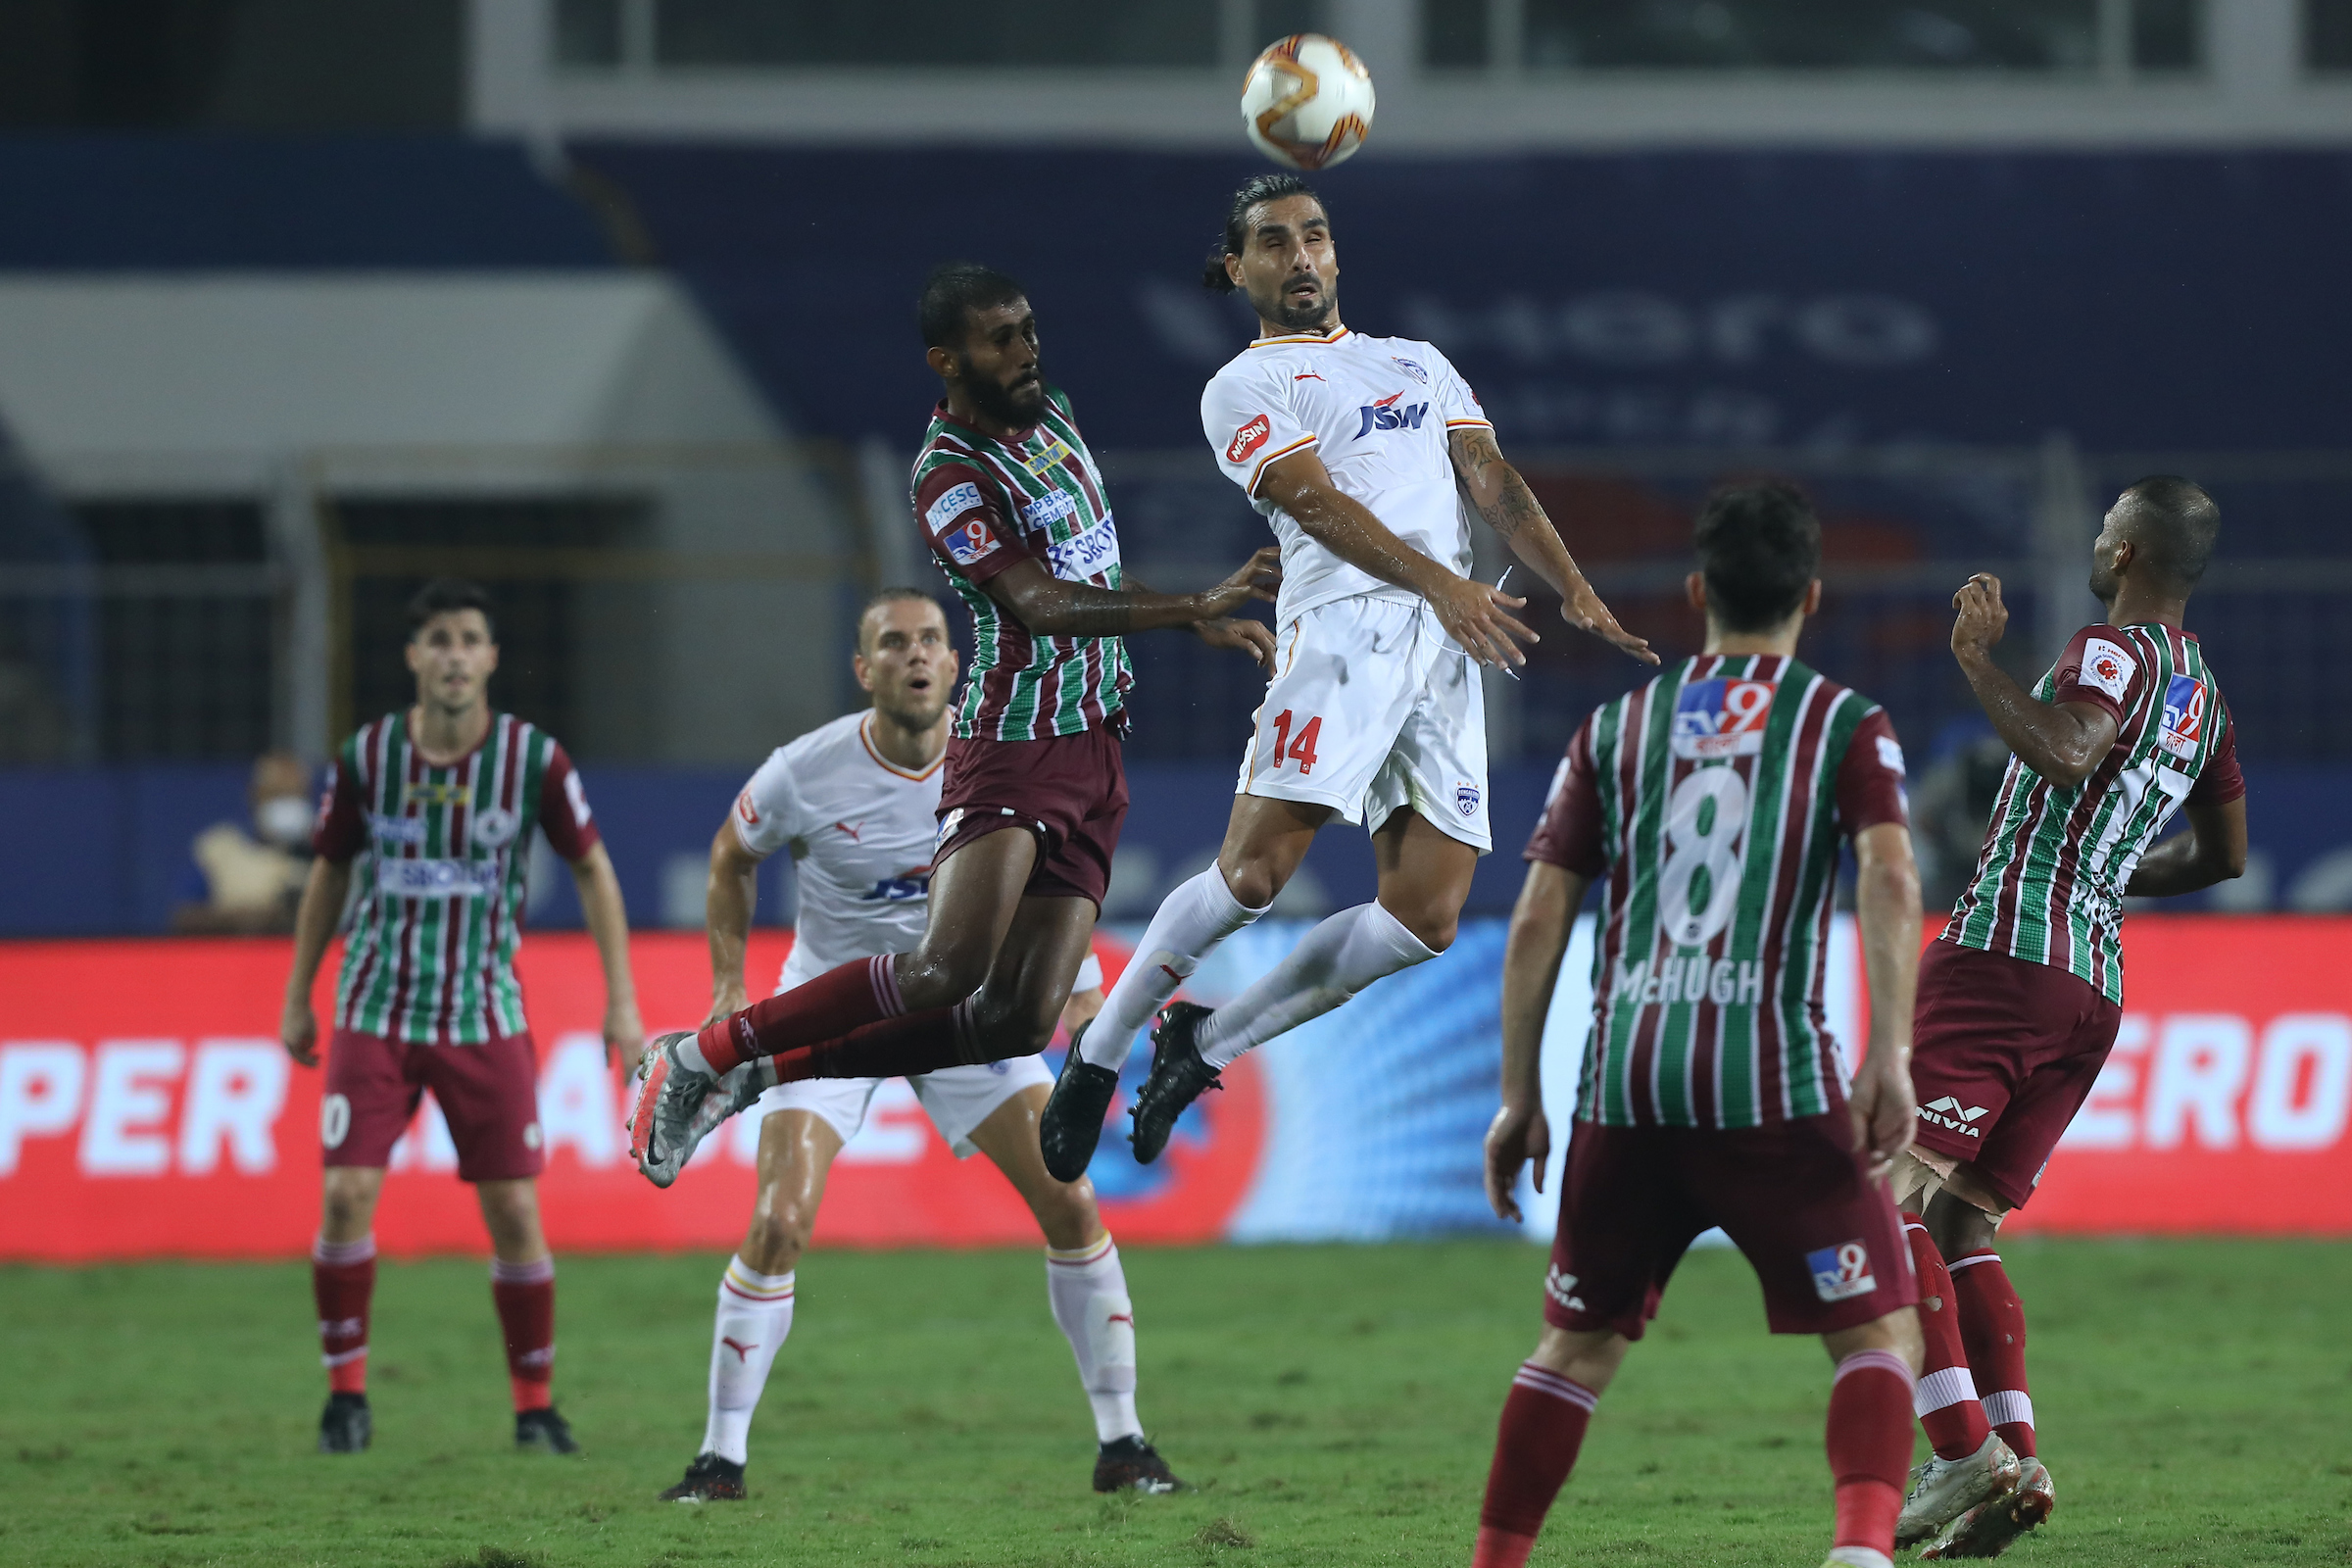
[
  {"x": 1072, "y": 1123},
  {"x": 1178, "y": 1078}
]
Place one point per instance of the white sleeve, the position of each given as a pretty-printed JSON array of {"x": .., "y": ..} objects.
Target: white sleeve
[
  {"x": 769, "y": 813},
  {"x": 1455, "y": 400},
  {"x": 1246, "y": 414},
  {"x": 1090, "y": 975}
]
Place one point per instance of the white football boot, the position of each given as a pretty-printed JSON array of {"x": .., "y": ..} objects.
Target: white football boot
[
  {"x": 1988, "y": 1528},
  {"x": 669, "y": 1116},
  {"x": 1942, "y": 1490}
]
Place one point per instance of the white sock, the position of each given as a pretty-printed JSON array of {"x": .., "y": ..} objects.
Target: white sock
[
  {"x": 1192, "y": 920},
  {"x": 754, "y": 1313},
  {"x": 1338, "y": 958},
  {"x": 1859, "y": 1557},
  {"x": 1088, "y": 1291}
]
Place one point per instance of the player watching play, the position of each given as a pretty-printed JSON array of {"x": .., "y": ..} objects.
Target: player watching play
[
  {"x": 1709, "y": 805},
  {"x": 437, "y": 805},
  {"x": 856, "y": 803},
  {"x": 1014, "y": 508},
  {"x": 1352, "y": 447},
  {"x": 2020, "y": 999}
]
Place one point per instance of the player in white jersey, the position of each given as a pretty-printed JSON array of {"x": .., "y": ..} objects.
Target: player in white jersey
[
  {"x": 1359, "y": 452},
  {"x": 856, "y": 803}
]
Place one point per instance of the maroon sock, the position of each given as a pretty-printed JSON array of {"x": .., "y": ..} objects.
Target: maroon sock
[
  {"x": 829, "y": 1007},
  {"x": 1993, "y": 1324},
  {"x": 1948, "y": 1408},
  {"x": 1870, "y": 1447},
  {"x": 1544, "y": 1421},
  {"x": 342, "y": 1284},
  {"x": 525, "y": 1294},
  {"x": 895, "y": 1048}
]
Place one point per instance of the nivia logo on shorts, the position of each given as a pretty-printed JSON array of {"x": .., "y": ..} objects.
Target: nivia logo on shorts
[
  {"x": 1842, "y": 1272},
  {"x": 1562, "y": 1288},
  {"x": 1386, "y": 415},
  {"x": 1947, "y": 1112}
]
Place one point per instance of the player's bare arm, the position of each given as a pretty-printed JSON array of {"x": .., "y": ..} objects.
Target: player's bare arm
[
  {"x": 2213, "y": 849},
  {"x": 1252, "y": 637},
  {"x": 728, "y": 900},
  {"x": 1531, "y": 970},
  {"x": 1051, "y": 607},
  {"x": 1498, "y": 494},
  {"x": 608, "y": 925},
  {"x": 1887, "y": 912},
  {"x": 315, "y": 921},
  {"x": 2063, "y": 742},
  {"x": 1473, "y": 614}
]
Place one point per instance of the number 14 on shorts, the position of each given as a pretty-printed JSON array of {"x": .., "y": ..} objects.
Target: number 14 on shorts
[{"x": 1300, "y": 749}]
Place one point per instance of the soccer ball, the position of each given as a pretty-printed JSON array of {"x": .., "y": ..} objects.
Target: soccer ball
[{"x": 1307, "y": 102}]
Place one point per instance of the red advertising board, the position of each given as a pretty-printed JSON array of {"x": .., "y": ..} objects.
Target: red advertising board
[{"x": 146, "y": 1110}]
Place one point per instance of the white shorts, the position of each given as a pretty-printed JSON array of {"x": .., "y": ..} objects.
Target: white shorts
[
  {"x": 1375, "y": 709},
  {"x": 956, "y": 1098}
]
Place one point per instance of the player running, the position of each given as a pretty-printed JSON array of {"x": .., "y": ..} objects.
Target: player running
[
  {"x": 437, "y": 806},
  {"x": 2020, "y": 999},
  {"x": 1015, "y": 510},
  {"x": 856, "y": 802},
  {"x": 1352, "y": 448},
  {"x": 1709, "y": 806}
]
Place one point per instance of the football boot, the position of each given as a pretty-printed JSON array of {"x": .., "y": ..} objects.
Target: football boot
[
  {"x": 543, "y": 1432},
  {"x": 1178, "y": 1078},
  {"x": 1988, "y": 1528},
  {"x": 1942, "y": 1490},
  {"x": 1072, "y": 1123},
  {"x": 345, "y": 1426},
  {"x": 709, "y": 1479},
  {"x": 1133, "y": 1465}
]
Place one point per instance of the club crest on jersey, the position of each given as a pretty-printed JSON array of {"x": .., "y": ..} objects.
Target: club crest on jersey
[
  {"x": 1412, "y": 369},
  {"x": 1721, "y": 718},
  {"x": 1386, "y": 415},
  {"x": 1840, "y": 1273},
  {"x": 1249, "y": 438},
  {"x": 1465, "y": 798},
  {"x": 1049, "y": 509},
  {"x": 2183, "y": 725},
  {"x": 494, "y": 829}
]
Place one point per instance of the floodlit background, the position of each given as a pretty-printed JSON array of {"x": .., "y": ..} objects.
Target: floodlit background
[{"x": 609, "y": 303}]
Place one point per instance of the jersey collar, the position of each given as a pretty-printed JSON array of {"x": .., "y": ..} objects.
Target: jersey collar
[
  {"x": 941, "y": 413},
  {"x": 865, "y": 738},
  {"x": 1295, "y": 337}
]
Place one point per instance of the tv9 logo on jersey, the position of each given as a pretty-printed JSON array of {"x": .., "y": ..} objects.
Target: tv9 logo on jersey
[{"x": 1721, "y": 718}]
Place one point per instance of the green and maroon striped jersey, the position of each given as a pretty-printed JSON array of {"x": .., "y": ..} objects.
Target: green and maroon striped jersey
[
  {"x": 437, "y": 913},
  {"x": 985, "y": 504},
  {"x": 2050, "y": 883},
  {"x": 1709, "y": 806}
]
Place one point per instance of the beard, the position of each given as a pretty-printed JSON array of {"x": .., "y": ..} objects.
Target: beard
[
  {"x": 2103, "y": 584},
  {"x": 1014, "y": 405},
  {"x": 1309, "y": 318}
]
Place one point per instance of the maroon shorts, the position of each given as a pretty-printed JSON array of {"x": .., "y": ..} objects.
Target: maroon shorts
[
  {"x": 489, "y": 1095},
  {"x": 1069, "y": 790},
  {"x": 2003, "y": 1052},
  {"x": 1824, "y": 1239}
]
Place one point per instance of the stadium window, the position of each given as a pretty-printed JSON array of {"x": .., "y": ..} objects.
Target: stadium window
[
  {"x": 2037, "y": 35},
  {"x": 588, "y": 33},
  {"x": 1453, "y": 34},
  {"x": 2167, "y": 34},
  {"x": 933, "y": 32},
  {"x": 2328, "y": 34}
]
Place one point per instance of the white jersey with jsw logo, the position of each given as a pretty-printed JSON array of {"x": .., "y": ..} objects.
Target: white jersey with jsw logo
[
  {"x": 860, "y": 832},
  {"x": 1378, "y": 411}
]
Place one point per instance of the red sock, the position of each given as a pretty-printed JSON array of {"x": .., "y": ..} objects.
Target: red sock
[
  {"x": 342, "y": 1283},
  {"x": 1870, "y": 1447},
  {"x": 895, "y": 1048},
  {"x": 862, "y": 992},
  {"x": 1992, "y": 1323},
  {"x": 525, "y": 1294},
  {"x": 1544, "y": 1421},
  {"x": 1948, "y": 1409}
]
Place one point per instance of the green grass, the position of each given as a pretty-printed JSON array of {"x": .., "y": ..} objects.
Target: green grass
[{"x": 1336, "y": 1404}]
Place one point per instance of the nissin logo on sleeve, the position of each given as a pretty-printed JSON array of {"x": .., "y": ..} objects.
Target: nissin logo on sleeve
[{"x": 1386, "y": 415}]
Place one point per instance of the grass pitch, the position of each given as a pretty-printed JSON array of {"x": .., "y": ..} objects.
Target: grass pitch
[{"x": 1335, "y": 1406}]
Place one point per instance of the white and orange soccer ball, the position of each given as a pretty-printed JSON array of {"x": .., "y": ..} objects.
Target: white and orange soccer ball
[{"x": 1307, "y": 102}]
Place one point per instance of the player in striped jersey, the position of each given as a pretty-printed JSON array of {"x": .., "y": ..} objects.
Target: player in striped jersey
[
  {"x": 2020, "y": 999},
  {"x": 434, "y": 806},
  {"x": 1014, "y": 507},
  {"x": 1709, "y": 806}
]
